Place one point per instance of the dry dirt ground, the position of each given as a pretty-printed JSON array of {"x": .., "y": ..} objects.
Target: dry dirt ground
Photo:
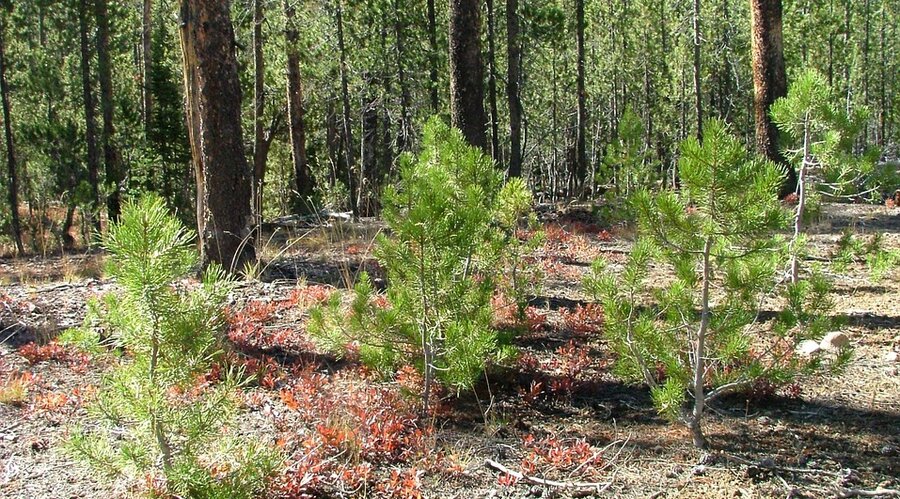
[{"x": 563, "y": 416}]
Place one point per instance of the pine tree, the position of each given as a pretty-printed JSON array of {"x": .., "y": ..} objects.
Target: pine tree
[
  {"x": 452, "y": 224},
  {"x": 717, "y": 234},
  {"x": 152, "y": 416}
]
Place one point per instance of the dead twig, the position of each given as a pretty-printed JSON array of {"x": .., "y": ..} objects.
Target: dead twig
[
  {"x": 594, "y": 486},
  {"x": 879, "y": 492}
]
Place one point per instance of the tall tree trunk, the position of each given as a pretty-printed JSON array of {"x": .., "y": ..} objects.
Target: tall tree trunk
[
  {"x": 297, "y": 129},
  {"x": 698, "y": 96},
  {"x": 369, "y": 155},
  {"x": 224, "y": 179},
  {"x": 581, "y": 128},
  {"x": 93, "y": 155},
  {"x": 433, "y": 57},
  {"x": 513, "y": 75},
  {"x": 882, "y": 110},
  {"x": 349, "y": 174},
  {"x": 13, "y": 187},
  {"x": 492, "y": 86},
  {"x": 769, "y": 80},
  {"x": 147, "y": 55},
  {"x": 115, "y": 177},
  {"x": 260, "y": 145},
  {"x": 404, "y": 137},
  {"x": 865, "y": 66},
  {"x": 467, "y": 72}
]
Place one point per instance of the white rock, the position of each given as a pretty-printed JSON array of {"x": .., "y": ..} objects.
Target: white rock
[
  {"x": 834, "y": 341},
  {"x": 808, "y": 348},
  {"x": 892, "y": 357}
]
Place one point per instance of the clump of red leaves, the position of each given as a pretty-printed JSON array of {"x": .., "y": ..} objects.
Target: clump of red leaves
[
  {"x": 586, "y": 319},
  {"x": 346, "y": 425},
  {"x": 53, "y": 352},
  {"x": 548, "y": 456},
  {"x": 251, "y": 327}
]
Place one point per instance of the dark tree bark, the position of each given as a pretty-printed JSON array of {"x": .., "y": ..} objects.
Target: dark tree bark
[
  {"x": 13, "y": 187},
  {"x": 581, "y": 127},
  {"x": 433, "y": 57},
  {"x": 467, "y": 72},
  {"x": 349, "y": 174},
  {"x": 115, "y": 177},
  {"x": 147, "y": 59},
  {"x": 90, "y": 112},
  {"x": 769, "y": 80},
  {"x": 302, "y": 174},
  {"x": 224, "y": 179},
  {"x": 513, "y": 75},
  {"x": 492, "y": 86},
  {"x": 369, "y": 156}
]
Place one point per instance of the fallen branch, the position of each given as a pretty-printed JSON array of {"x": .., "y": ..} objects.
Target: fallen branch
[
  {"x": 879, "y": 492},
  {"x": 598, "y": 487}
]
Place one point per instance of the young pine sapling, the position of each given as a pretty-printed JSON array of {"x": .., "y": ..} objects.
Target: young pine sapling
[
  {"x": 154, "y": 418},
  {"x": 717, "y": 234},
  {"x": 452, "y": 230}
]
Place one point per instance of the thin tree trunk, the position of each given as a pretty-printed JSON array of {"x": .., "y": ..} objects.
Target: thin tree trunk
[
  {"x": 865, "y": 68},
  {"x": 467, "y": 72},
  {"x": 260, "y": 145},
  {"x": 581, "y": 129},
  {"x": 404, "y": 138},
  {"x": 700, "y": 353},
  {"x": 882, "y": 110},
  {"x": 113, "y": 164},
  {"x": 297, "y": 129},
  {"x": 224, "y": 178},
  {"x": 698, "y": 96},
  {"x": 147, "y": 52},
  {"x": 345, "y": 99},
  {"x": 433, "y": 56},
  {"x": 513, "y": 75},
  {"x": 769, "y": 81},
  {"x": 13, "y": 187},
  {"x": 93, "y": 156},
  {"x": 492, "y": 85}
]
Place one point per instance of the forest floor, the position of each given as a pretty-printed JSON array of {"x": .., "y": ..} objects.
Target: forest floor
[{"x": 558, "y": 414}]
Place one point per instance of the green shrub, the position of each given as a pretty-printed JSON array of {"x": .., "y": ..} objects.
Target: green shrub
[
  {"x": 698, "y": 338},
  {"x": 153, "y": 415},
  {"x": 452, "y": 231}
]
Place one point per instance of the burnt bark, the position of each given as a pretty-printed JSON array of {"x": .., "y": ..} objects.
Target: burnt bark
[
  {"x": 90, "y": 115},
  {"x": 13, "y": 187},
  {"x": 302, "y": 175},
  {"x": 492, "y": 85},
  {"x": 349, "y": 174},
  {"x": 467, "y": 72},
  {"x": 580, "y": 170},
  {"x": 224, "y": 179},
  {"x": 513, "y": 74},
  {"x": 769, "y": 81},
  {"x": 112, "y": 163}
]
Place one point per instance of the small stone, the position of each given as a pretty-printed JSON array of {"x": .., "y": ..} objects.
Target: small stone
[
  {"x": 808, "y": 348},
  {"x": 699, "y": 470},
  {"x": 835, "y": 340},
  {"x": 763, "y": 420},
  {"x": 892, "y": 357}
]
